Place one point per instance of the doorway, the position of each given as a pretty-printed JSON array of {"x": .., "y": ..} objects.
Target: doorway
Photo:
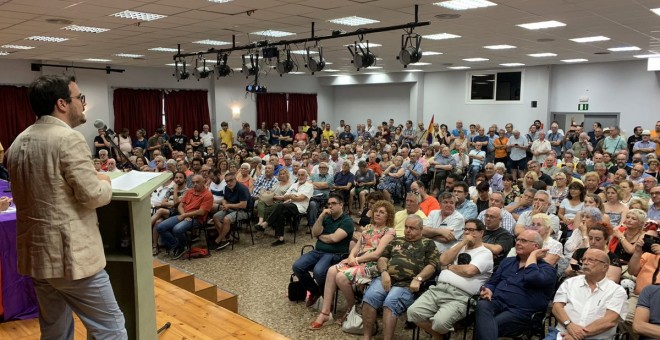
[{"x": 564, "y": 119}]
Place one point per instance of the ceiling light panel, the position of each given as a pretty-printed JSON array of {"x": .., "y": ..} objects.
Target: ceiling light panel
[
  {"x": 97, "y": 60},
  {"x": 86, "y": 29},
  {"x": 420, "y": 63},
  {"x": 441, "y": 36},
  {"x": 578, "y": 60},
  {"x": 656, "y": 10},
  {"x": 141, "y": 16},
  {"x": 211, "y": 42},
  {"x": 499, "y": 47},
  {"x": 220, "y": 1},
  {"x": 460, "y": 5},
  {"x": 331, "y": 70},
  {"x": 476, "y": 59},
  {"x": 512, "y": 64},
  {"x": 46, "y": 39},
  {"x": 4, "y": 53},
  {"x": 624, "y": 49},
  {"x": 273, "y": 33},
  {"x": 164, "y": 49},
  {"x": 364, "y": 45},
  {"x": 129, "y": 55},
  {"x": 590, "y": 39},
  {"x": 458, "y": 67},
  {"x": 18, "y": 47},
  {"x": 430, "y": 53},
  {"x": 542, "y": 25},
  {"x": 542, "y": 55},
  {"x": 353, "y": 21},
  {"x": 642, "y": 56},
  {"x": 304, "y": 52}
]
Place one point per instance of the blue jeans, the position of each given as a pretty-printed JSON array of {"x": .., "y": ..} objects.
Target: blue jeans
[
  {"x": 173, "y": 232},
  {"x": 552, "y": 334},
  {"x": 317, "y": 262},
  {"x": 493, "y": 320},
  {"x": 397, "y": 300},
  {"x": 91, "y": 298}
]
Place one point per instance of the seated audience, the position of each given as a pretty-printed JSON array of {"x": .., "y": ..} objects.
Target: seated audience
[
  {"x": 445, "y": 226},
  {"x": 365, "y": 181},
  {"x": 405, "y": 263},
  {"x": 598, "y": 237},
  {"x": 168, "y": 206},
  {"x": 233, "y": 208},
  {"x": 412, "y": 208},
  {"x": 540, "y": 205},
  {"x": 496, "y": 200},
  {"x": 465, "y": 268},
  {"x": 464, "y": 206},
  {"x": 427, "y": 202},
  {"x": 269, "y": 199},
  {"x": 496, "y": 239},
  {"x": 322, "y": 182},
  {"x": 624, "y": 238},
  {"x": 647, "y": 317}
]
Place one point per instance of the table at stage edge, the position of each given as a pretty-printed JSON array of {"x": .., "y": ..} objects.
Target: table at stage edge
[{"x": 18, "y": 298}]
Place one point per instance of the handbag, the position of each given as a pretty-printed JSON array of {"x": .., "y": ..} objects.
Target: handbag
[
  {"x": 297, "y": 292},
  {"x": 353, "y": 323}
]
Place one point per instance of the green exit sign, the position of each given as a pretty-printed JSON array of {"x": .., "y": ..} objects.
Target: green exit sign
[{"x": 583, "y": 107}]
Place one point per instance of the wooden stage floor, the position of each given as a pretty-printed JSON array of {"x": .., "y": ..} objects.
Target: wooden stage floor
[{"x": 191, "y": 316}]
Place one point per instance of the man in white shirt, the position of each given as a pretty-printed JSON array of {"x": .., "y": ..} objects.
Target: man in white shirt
[
  {"x": 206, "y": 136},
  {"x": 465, "y": 268},
  {"x": 517, "y": 147},
  {"x": 445, "y": 226},
  {"x": 589, "y": 306}
]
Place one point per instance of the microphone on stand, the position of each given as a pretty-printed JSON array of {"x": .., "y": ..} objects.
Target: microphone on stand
[{"x": 99, "y": 124}]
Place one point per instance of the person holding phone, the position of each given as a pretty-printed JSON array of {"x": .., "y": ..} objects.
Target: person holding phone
[{"x": 598, "y": 237}]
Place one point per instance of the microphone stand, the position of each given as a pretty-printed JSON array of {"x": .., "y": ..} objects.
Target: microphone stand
[{"x": 125, "y": 161}]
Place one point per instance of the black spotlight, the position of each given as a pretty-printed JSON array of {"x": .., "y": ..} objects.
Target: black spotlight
[
  {"x": 362, "y": 58},
  {"x": 285, "y": 66},
  {"x": 221, "y": 68},
  {"x": 180, "y": 73},
  {"x": 410, "y": 52},
  {"x": 253, "y": 69},
  {"x": 201, "y": 72},
  {"x": 314, "y": 64}
]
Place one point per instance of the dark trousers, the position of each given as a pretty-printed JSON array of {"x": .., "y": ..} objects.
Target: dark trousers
[
  {"x": 279, "y": 215},
  {"x": 492, "y": 321},
  {"x": 318, "y": 263}
]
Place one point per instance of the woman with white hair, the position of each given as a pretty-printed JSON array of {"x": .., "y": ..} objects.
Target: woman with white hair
[
  {"x": 625, "y": 236},
  {"x": 542, "y": 224},
  {"x": 243, "y": 176},
  {"x": 500, "y": 168}
]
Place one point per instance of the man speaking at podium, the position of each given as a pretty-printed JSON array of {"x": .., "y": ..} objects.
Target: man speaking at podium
[{"x": 56, "y": 191}]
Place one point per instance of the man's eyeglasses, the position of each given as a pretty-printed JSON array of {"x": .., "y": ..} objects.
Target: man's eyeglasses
[
  {"x": 80, "y": 97},
  {"x": 471, "y": 230},
  {"x": 590, "y": 260},
  {"x": 524, "y": 241},
  {"x": 333, "y": 203}
]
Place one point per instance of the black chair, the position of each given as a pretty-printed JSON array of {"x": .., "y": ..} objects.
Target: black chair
[
  {"x": 235, "y": 228},
  {"x": 195, "y": 233}
]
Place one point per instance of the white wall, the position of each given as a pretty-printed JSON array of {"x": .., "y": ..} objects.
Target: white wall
[
  {"x": 624, "y": 87},
  {"x": 445, "y": 97},
  {"x": 355, "y": 103}
]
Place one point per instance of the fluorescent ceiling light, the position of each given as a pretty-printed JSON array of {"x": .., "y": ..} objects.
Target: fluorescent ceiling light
[
  {"x": 353, "y": 21},
  {"x": 459, "y": 5},
  {"x": 413, "y": 70},
  {"x": 303, "y": 52},
  {"x": 499, "y": 47},
  {"x": 297, "y": 72},
  {"x": 458, "y": 67},
  {"x": 211, "y": 42},
  {"x": 441, "y": 36},
  {"x": 46, "y": 39},
  {"x": 420, "y": 63},
  {"x": 476, "y": 59},
  {"x": 18, "y": 47},
  {"x": 273, "y": 33},
  {"x": 542, "y": 25},
  {"x": 590, "y": 39},
  {"x": 86, "y": 29},
  {"x": 328, "y": 63},
  {"x": 142, "y": 16},
  {"x": 512, "y": 64},
  {"x": 97, "y": 60},
  {"x": 624, "y": 49},
  {"x": 129, "y": 55},
  {"x": 4, "y": 53},
  {"x": 542, "y": 55},
  {"x": 430, "y": 53},
  {"x": 331, "y": 70},
  {"x": 656, "y": 10},
  {"x": 237, "y": 69},
  {"x": 579, "y": 60},
  {"x": 220, "y": 1},
  {"x": 164, "y": 49},
  {"x": 652, "y": 55},
  {"x": 170, "y": 64},
  {"x": 364, "y": 45},
  {"x": 375, "y": 67}
]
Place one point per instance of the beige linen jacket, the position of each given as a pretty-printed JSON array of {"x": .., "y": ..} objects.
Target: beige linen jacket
[{"x": 56, "y": 191}]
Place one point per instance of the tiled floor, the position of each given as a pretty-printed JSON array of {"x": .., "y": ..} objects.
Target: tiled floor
[{"x": 260, "y": 274}]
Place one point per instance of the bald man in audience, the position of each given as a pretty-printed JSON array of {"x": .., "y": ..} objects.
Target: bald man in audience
[
  {"x": 496, "y": 200},
  {"x": 497, "y": 239}
]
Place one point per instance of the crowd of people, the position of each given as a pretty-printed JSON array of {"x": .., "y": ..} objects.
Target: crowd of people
[{"x": 519, "y": 218}]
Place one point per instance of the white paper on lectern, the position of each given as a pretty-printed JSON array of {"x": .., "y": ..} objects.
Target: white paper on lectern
[{"x": 132, "y": 179}]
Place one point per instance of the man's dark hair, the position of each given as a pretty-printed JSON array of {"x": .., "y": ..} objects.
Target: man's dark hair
[
  {"x": 598, "y": 124},
  {"x": 477, "y": 223},
  {"x": 197, "y": 159},
  {"x": 159, "y": 131},
  {"x": 337, "y": 196},
  {"x": 454, "y": 177},
  {"x": 540, "y": 185},
  {"x": 46, "y": 90},
  {"x": 181, "y": 172},
  {"x": 462, "y": 185}
]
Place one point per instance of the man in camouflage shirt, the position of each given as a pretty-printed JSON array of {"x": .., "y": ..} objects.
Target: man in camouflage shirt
[{"x": 404, "y": 265}]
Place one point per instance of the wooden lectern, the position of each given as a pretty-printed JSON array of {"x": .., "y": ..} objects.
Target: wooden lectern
[{"x": 125, "y": 226}]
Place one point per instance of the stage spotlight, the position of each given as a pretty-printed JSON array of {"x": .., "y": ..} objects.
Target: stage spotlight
[
  {"x": 221, "y": 68},
  {"x": 285, "y": 66},
  {"x": 410, "y": 52},
  {"x": 253, "y": 69},
  {"x": 314, "y": 64},
  {"x": 252, "y": 88},
  {"x": 363, "y": 58},
  {"x": 201, "y": 72},
  {"x": 180, "y": 73}
]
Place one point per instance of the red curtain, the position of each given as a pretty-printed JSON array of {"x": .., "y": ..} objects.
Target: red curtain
[
  {"x": 15, "y": 113},
  {"x": 302, "y": 107},
  {"x": 138, "y": 109},
  {"x": 189, "y": 108},
  {"x": 271, "y": 108}
]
